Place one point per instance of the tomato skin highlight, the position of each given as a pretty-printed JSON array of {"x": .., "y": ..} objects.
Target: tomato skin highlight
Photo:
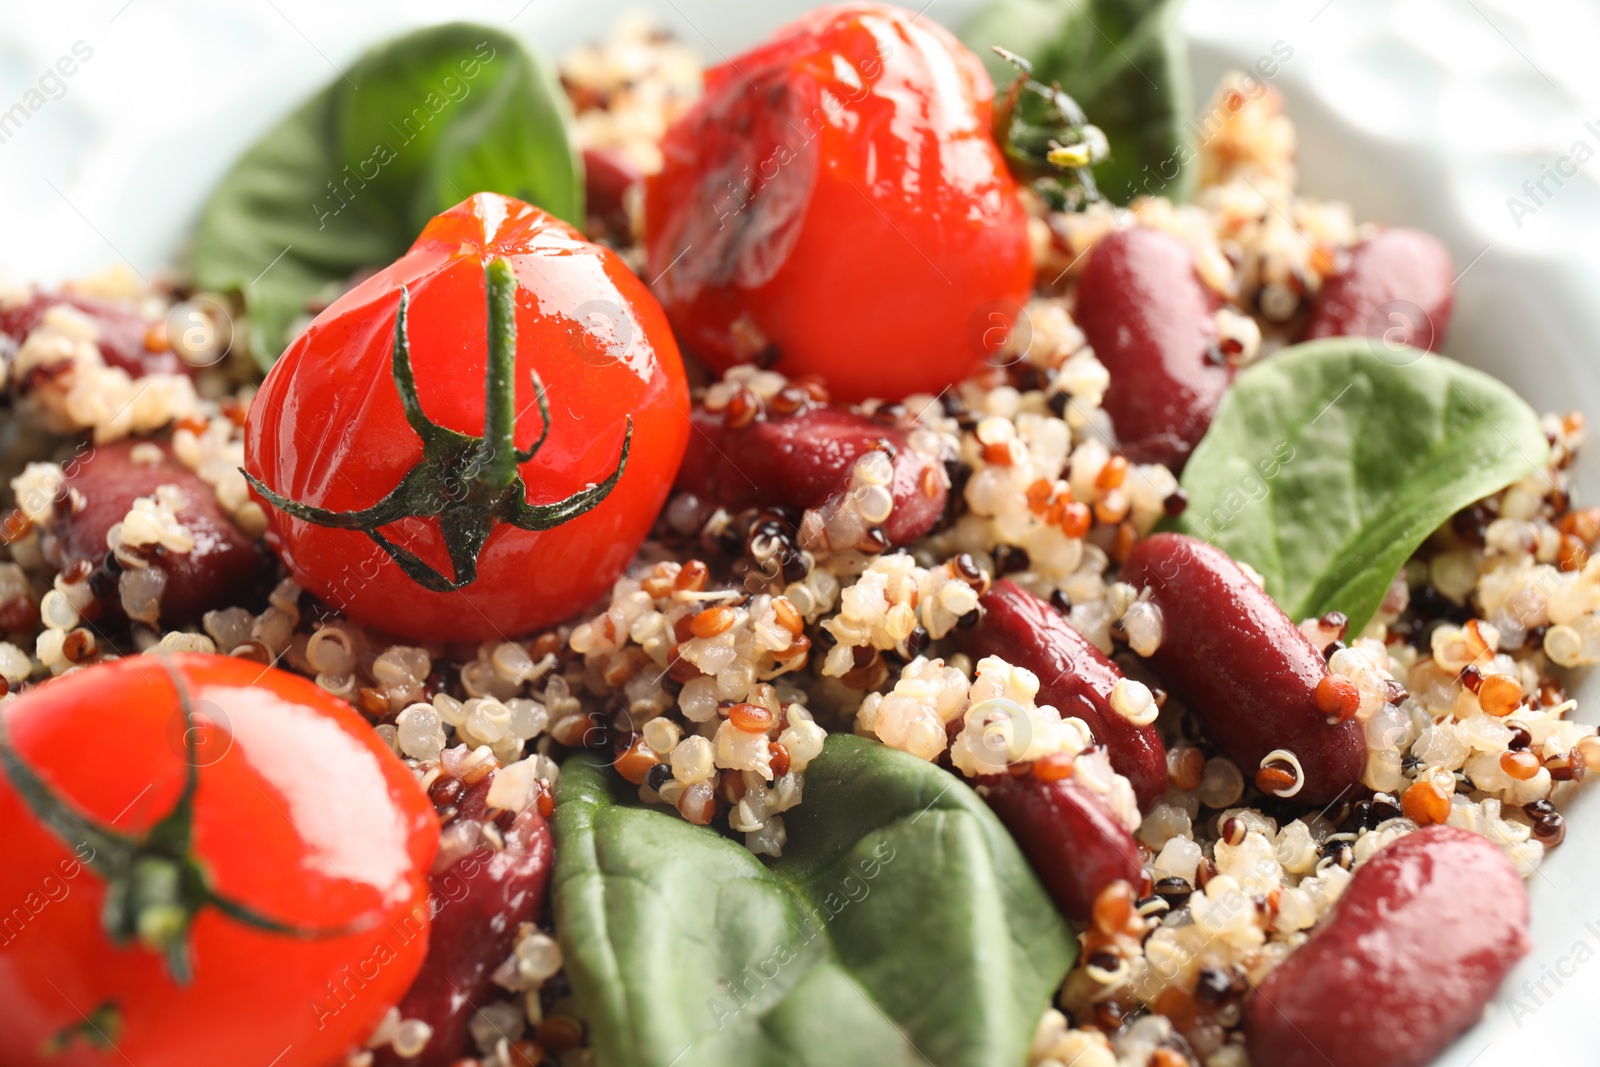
[
  {"x": 328, "y": 429},
  {"x": 302, "y": 814},
  {"x": 837, "y": 194}
]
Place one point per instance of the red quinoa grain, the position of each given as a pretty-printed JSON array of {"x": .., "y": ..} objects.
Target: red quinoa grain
[
  {"x": 1113, "y": 474},
  {"x": 1075, "y": 520},
  {"x": 1337, "y": 698},
  {"x": 1054, "y": 767},
  {"x": 1424, "y": 804},
  {"x": 713, "y": 621},
  {"x": 692, "y": 576},
  {"x": 780, "y": 759},
  {"x": 635, "y": 763},
  {"x": 751, "y": 718},
  {"x": 1499, "y": 695}
]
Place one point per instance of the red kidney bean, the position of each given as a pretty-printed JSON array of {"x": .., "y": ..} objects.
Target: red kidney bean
[
  {"x": 1072, "y": 841},
  {"x": 1409, "y": 957},
  {"x": 220, "y": 570},
  {"x": 1152, "y": 322},
  {"x": 1074, "y": 678},
  {"x": 803, "y": 459},
  {"x": 1239, "y": 664},
  {"x": 1398, "y": 284},
  {"x": 478, "y": 903},
  {"x": 122, "y": 332}
]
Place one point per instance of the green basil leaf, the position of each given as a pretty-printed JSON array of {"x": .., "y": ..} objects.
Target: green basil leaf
[
  {"x": 901, "y": 926},
  {"x": 349, "y": 179},
  {"x": 1127, "y": 65},
  {"x": 1327, "y": 464}
]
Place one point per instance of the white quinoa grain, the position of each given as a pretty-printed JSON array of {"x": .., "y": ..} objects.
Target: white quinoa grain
[
  {"x": 692, "y": 760},
  {"x": 1133, "y": 701}
]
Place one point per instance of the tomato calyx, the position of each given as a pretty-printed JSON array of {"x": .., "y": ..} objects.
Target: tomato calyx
[
  {"x": 155, "y": 885},
  {"x": 1047, "y": 140},
  {"x": 99, "y": 1030},
  {"x": 468, "y": 483}
]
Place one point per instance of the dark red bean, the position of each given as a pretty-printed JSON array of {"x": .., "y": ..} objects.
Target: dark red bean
[
  {"x": 478, "y": 903},
  {"x": 608, "y": 175},
  {"x": 803, "y": 459},
  {"x": 122, "y": 332},
  {"x": 1238, "y": 663},
  {"x": 1074, "y": 678},
  {"x": 1152, "y": 323},
  {"x": 1411, "y": 954},
  {"x": 1073, "y": 842},
  {"x": 1398, "y": 284},
  {"x": 221, "y": 568}
]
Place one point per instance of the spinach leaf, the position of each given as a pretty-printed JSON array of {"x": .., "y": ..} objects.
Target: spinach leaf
[
  {"x": 1328, "y": 464},
  {"x": 1125, "y": 63},
  {"x": 350, "y": 178},
  {"x": 901, "y": 926}
]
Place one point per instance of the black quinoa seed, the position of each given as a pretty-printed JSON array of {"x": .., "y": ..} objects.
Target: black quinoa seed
[
  {"x": 1175, "y": 891},
  {"x": 917, "y": 643},
  {"x": 1361, "y": 817},
  {"x": 1337, "y": 849},
  {"x": 1212, "y": 987},
  {"x": 1009, "y": 559},
  {"x": 1153, "y": 907},
  {"x": 1176, "y": 503},
  {"x": 1550, "y": 829},
  {"x": 1104, "y": 959},
  {"x": 1472, "y": 522},
  {"x": 1032, "y": 379},
  {"x": 445, "y": 790},
  {"x": 966, "y": 568},
  {"x": 795, "y": 567},
  {"x": 1538, "y": 809},
  {"x": 969, "y": 620},
  {"x": 658, "y": 776}
]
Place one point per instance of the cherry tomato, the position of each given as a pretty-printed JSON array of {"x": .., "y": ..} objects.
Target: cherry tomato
[
  {"x": 207, "y": 862},
  {"x": 520, "y": 510},
  {"x": 836, "y": 202}
]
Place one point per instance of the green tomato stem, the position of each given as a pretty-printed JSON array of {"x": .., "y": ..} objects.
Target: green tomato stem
[{"x": 500, "y": 391}]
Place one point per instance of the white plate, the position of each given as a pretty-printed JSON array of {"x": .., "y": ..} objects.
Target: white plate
[{"x": 1428, "y": 112}]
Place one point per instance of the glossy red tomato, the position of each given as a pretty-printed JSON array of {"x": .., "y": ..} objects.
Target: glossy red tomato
[
  {"x": 492, "y": 529},
  {"x": 300, "y": 819},
  {"x": 836, "y": 201}
]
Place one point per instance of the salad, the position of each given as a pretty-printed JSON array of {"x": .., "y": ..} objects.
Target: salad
[{"x": 898, "y": 548}]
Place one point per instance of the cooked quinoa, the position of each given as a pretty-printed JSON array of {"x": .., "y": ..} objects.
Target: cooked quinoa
[{"x": 738, "y": 641}]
